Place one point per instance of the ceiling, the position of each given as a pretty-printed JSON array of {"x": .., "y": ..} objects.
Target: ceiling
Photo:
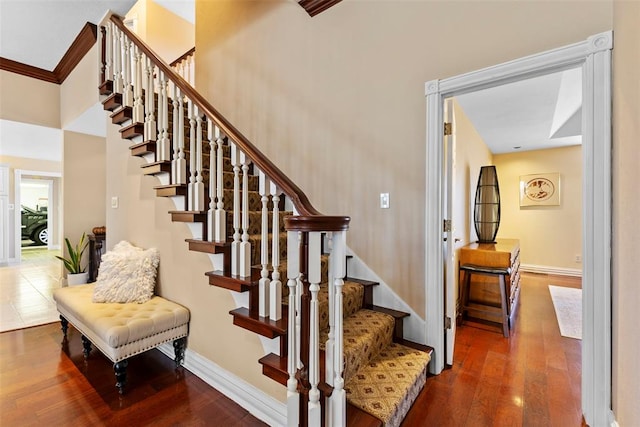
[
  {"x": 534, "y": 114},
  {"x": 39, "y": 32}
]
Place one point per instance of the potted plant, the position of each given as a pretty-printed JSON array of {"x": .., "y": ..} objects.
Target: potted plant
[{"x": 76, "y": 274}]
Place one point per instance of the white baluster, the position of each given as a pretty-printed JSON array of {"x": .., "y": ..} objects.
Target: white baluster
[
  {"x": 329, "y": 346},
  {"x": 192, "y": 156},
  {"x": 164, "y": 149},
  {"x": 245, "y": 246},
  {"x": 212, "y": 182},
  {"x": 235, "y": 245},
  {"x": 338, "y": 399},
  {"x": 117, "y": 56},
  {"x": 220, "y": 234},
  {"x": 150, "y": 125},
  {"x": 108, "y": 45},
  {"x": 138, "y": 106},
  {"x": 174, "y": 136},
  {"x": 314, "y": 276},
  {"x": 275, "y": 291},
  {"x": 179, "y": 164},
  {"x": 127, "y": 96},
  {"x": 293, "y": 271},
  {"x": 192, "y": 68},
  {"x": 198, "y": 203},
  {"x": 187, "y": 70},
  {"x": 264, "y": 302}
]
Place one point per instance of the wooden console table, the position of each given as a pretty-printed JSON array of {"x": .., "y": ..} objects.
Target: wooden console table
[
  {"x": 505, "y": 253},
  {"x": 96, "y": 249}
]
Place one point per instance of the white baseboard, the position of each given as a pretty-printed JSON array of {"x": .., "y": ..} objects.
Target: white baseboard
[
  {"x": 545, "y": 269},
  {"x": 254, "y": 400}
]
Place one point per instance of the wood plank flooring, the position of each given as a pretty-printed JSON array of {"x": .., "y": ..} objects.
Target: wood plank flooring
[
  {"x": 45, "y": 384},
  {"x": 530, "y": 379}
]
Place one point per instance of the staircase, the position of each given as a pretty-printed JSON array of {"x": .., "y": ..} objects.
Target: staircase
[{"x": 343, "y": 360}]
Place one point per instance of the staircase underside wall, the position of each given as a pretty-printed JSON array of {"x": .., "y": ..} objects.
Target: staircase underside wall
[{"x": 142, "y": 219}]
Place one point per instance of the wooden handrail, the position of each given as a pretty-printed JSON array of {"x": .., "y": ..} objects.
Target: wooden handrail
[
  {"x": 298, "y": 198},
  {"x": 183, "y": 57}
]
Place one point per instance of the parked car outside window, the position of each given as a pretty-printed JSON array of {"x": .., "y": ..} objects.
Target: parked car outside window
[{"x": 34, "y": 225}]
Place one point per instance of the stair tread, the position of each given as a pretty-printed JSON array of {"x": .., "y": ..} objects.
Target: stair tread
[
  {"x": 363, "y": 282},
  {"x": 158, "y": 187},
  {"x": 397, "y": 314},
  {"x": 387, "y": 386},
  {"x": 260, "y": 325},
  {"x": 151, "y": 164},
  {"x": 365, "y": 335}
]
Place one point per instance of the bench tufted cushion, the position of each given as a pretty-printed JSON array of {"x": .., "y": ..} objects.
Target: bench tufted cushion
[{"x": 122, "y": 330}]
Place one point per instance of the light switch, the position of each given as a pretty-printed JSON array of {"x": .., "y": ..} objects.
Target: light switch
[
  {"x": 384, "y": 200},
  {"x": 114, "y": 202}
]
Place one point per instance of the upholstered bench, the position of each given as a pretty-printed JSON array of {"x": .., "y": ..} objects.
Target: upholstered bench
[{"x": 122, "y": 330}]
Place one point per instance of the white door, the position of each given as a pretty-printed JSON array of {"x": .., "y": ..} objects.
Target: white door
[{"x": 453, "y": 237}]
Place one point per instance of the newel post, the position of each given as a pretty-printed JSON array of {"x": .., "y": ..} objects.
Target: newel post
[{"x": 305, "y": 235}]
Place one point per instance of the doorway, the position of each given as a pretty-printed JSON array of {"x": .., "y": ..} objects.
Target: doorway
[
  {"x": 35, "y": 219},
  {"x": 593, "y": 56},
  {"x": 40, "y": 193}
]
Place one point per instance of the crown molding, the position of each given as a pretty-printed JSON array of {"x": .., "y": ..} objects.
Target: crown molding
[
  {"x": 78, "y": 49},
  {"x": 28, "y": 70}
]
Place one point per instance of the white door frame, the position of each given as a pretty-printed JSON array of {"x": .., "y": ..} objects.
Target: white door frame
[
  {"x": 594, "y": 57},
  {"x": 18, "y": 173}
]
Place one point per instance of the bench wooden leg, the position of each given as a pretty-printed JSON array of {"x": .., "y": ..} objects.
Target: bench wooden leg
[
  {"x": 178, "y": 349},
  {"x": 64, "y": 325},
  {"x": 120, "y": 368},
  {"x": 86, "y": 347}
]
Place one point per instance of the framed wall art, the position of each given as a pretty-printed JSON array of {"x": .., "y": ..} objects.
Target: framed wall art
[{"x": 540, "y": 189}]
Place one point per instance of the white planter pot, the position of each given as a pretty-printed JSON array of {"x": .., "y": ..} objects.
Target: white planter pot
[{"x": 77, "y": 279}]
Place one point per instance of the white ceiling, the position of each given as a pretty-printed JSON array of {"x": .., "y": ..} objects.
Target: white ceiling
[
  {"x": 39, "y": 32},
  {"x": 539, "y": 113}
]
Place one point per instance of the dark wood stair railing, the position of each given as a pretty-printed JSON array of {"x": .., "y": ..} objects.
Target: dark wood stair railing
[{"x": 297, "y": 196}]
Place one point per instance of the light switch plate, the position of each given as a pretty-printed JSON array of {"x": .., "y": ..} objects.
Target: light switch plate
[
  {"x": 384, "y": 200},
  {"x": 114, "y": 202}
]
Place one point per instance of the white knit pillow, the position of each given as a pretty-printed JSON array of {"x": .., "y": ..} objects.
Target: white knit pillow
[{"x": 127, "y": 274}]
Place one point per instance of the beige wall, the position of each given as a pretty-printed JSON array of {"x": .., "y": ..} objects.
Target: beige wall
[
  {"x": 84, "y": 183},
  {"x": 626, "y": 211},
  {"x": 337, "y": 101},
  {"x": 27, "y": 100},
  {"x": 79, "y": 91},
  {"x": 550, "y": 236},
  {"x": 166, "y": 33}
]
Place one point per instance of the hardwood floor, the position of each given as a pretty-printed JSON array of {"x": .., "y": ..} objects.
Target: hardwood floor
[
  {"x": 42, "y": 384},
  {"x": 530, "y": 379}
]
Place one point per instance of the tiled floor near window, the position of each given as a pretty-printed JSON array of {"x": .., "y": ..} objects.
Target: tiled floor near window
[{"x": 26, "y": 290}]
